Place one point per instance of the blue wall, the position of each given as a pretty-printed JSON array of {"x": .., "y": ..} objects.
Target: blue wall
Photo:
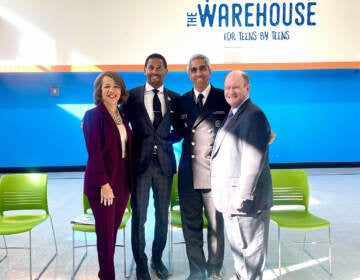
[{"x": 315, "y": 114}]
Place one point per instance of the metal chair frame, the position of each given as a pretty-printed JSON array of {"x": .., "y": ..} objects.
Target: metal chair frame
[
  {"x": 91, "y": 229},
  {"x": 291, "y": 188},
  {"x": 27, "y": 191}
]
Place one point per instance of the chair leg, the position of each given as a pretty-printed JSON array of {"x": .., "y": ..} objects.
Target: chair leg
[
  {"x": 54, "y": 256},
  {"x": 124, "y": 242},
  {"x": 6, "y": 250},
  {"x": 279, "y": 252},
  {"x": 53, "y": 233},
  {"x": 169, "y": 241},
  {"x": 75, "y": 270},
  {"x": 86, "y": 243},
  {"x": 330, "y": 252},
  {"x": 171, "y": 249},
  {"x": 73, "y": 252},
  {"x": 168, "y": 238},
  {"x": 304, "y": 242},
  {"x": 30, "y": 257}
]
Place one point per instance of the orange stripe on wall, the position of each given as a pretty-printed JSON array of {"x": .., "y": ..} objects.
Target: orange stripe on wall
[
  {"x": 182, "y": 67},
  {"x": 287, "y": 66},
  {"x": 242, "y": 66}
]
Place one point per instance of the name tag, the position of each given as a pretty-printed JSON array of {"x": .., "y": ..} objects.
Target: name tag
[{"x": 219, "y": 113}]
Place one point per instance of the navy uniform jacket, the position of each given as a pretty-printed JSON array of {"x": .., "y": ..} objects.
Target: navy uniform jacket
[{"x": 198, "y": 131}]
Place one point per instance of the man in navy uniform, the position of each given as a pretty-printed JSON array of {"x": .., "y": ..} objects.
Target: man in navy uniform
[{"x": 200, "y": 113}]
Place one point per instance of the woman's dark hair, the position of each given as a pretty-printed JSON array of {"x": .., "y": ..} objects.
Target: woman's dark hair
[{"x": 99, "y": 81}]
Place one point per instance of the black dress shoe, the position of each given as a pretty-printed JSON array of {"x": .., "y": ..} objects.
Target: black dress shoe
[
  {"x": 142, "y": 275},
  {"x": 236, "y": 277},
  {"x": 195, "y": 278},
  {"x": 215, "y": 274},
  {"x": 160, "y": 269}
]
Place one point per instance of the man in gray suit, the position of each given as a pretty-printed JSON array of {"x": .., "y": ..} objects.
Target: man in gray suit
[
  {"x": 240, "y": 178},
  {"x": 150, "y": 110}
]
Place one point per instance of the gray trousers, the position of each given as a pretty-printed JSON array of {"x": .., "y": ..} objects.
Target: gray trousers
[{"x": 248, "y": 237}]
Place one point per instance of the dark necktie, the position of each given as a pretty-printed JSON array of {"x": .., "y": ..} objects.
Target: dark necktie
[
  {"x": 200, "y": 101},
  {"x": 228, "y": 119},
  {"x": 157, "y": 109}
]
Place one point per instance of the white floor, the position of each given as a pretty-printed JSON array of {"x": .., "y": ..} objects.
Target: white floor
[{"x": 335, "y": 195}]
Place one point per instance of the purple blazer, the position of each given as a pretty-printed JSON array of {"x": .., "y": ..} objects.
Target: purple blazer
[{"x": 105, "y": 163}]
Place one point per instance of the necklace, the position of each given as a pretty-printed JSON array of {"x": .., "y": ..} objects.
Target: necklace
[{"x": 117, "y": 119}]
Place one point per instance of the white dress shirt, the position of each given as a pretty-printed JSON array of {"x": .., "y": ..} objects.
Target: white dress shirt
[
  {"x": 205, "y": 93},
  {"x": 148, "y": 100}
]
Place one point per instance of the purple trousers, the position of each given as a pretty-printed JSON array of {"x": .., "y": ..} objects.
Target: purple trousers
[{"x": 107, "y": 221}]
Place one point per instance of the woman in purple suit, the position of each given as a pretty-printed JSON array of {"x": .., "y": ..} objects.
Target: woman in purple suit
[{"x": 107, "y": 182}]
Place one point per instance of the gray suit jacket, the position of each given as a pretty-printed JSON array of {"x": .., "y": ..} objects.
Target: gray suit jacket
[
  {"x": 145, "y": 136},
  {"x": 239, "y": 162}
]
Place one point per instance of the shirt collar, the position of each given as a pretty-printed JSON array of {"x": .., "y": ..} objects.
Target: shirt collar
[
  {"x": 234, "y": 110},
  {"x": 149, "y": 88},
  {"x": 205, "y": 92}
]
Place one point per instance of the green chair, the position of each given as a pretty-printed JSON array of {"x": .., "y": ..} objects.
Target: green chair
[
  {"x": 175, "y": 219},
  {"x": 23, "y": 206},
  {"x": 291, "y": 208},
  {"x": 90, "y": 228}
]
